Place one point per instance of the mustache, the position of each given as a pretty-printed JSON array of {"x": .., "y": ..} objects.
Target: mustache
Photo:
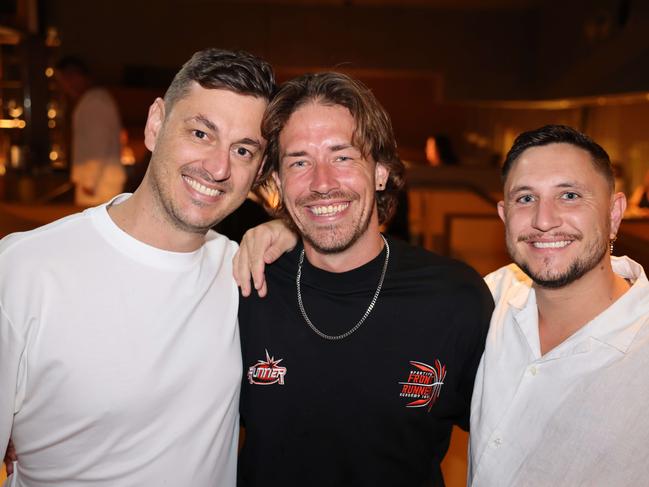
[
  {"x": 201, "y": 175},
  {"x": 544, "y": 236},
  {"x": 321, "y": 197}
]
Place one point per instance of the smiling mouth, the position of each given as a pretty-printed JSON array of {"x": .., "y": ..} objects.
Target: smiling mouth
[
  {"x": 198, "y": 187},
  {"x": 328, "y": 210},
  {"x": 551, "y": 245}
]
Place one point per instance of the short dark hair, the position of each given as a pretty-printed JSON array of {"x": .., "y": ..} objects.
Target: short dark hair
[
  {"x": 373, "y": 134},
  {"x": 212, "y": 68},
  {"x": 72, "y": 64},
  {"x": 560, "y": 134}
]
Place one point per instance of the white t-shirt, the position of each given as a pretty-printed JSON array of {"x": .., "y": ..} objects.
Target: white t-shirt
[
  {"x": 120, "y": 363},
  {"x": 575, "y": 416}
]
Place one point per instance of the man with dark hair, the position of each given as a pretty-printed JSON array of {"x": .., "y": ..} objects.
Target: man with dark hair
[
  {"x": 119, "y": 345},
  {"x": 362, "y": 356},
  {"x": 560, "y": 397},
  {"x": 96, "y": 168}
]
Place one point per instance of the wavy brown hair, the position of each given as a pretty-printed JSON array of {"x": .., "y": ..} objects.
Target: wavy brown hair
[{"x": 373, "y": 134}]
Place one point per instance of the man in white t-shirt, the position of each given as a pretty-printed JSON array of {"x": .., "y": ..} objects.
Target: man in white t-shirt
[
  {"x": 119, "y": 343},
  {"x": 562, "y": 388},
  {"x": 96, "y": 169}
]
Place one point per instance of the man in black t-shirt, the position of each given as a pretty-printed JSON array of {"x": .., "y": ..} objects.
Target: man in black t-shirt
[{"x": 363, "y": 355}]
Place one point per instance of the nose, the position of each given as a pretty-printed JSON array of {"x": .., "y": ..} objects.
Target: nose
[
  {"x": 323, "y": 178},
  {"x": 546, "y": 216},
  {"x": 217, "y": 163}
]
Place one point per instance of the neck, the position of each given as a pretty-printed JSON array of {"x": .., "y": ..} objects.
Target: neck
[
  {"x": 564, "y": 311},
  {"x": 366, "y": 248},
  {"x": 141, "y": 217}
]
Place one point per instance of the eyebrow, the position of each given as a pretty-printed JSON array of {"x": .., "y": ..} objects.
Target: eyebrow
[
  {"x": 333, "y": 148},
  {"x": 338, "y": 147},
  {"x": 566, "y": 185},
  {"x": 299, "y": 153},
  {"x": 202, "y": 119},
  {"x": 249, "y": 141}
]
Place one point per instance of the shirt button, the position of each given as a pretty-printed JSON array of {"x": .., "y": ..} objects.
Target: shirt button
[
  {"x": 533, "y": 370},
  {"x": 497, "y": 442}
]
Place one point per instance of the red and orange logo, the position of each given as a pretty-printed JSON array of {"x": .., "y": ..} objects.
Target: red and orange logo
[
  {"x": 267, "y": 372},
  {"x": 424, "y": 384}
]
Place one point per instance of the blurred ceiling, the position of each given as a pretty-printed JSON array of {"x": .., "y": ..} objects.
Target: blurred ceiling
[{"x": 434, "y": 4}]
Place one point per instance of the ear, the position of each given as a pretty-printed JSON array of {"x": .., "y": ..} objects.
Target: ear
[
  {"x": 154, "y": 123},
  {"x": 618, "y": 206},
  {"x": 381, "y": 174},
  {"x": 501, "y": 211}
]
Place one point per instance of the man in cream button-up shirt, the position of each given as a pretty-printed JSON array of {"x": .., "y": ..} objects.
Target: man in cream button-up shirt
[{"x": 561, "y": 394}]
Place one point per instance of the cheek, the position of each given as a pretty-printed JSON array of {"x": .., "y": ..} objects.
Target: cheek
[
  {"x": 517, "y": 221},
  {"x": 295, "y": 183},
  {"x": 245, "y": 174}
]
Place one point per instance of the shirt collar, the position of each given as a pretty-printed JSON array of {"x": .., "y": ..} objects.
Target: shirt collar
[{"x": 616, "y": 326}]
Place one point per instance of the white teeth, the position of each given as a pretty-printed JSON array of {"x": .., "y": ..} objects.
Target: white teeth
[
  {"x": 551, "y": 245},
  {"x": 200, "y": 188},
  {"x": 328, "y": 210}
]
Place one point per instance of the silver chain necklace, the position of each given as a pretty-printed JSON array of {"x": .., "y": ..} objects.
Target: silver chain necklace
[{"x": 367, "y": 312}]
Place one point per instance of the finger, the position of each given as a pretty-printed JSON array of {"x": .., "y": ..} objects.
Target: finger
[
  {"x": 240, "y": 271},
  {"x": 258, "y": 274},
  {"x": 244, "y": 278},
  {"x": 263, "y": 290}
]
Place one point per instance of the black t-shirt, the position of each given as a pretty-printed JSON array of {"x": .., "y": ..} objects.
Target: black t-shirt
[{"x": 376, "y": 408}]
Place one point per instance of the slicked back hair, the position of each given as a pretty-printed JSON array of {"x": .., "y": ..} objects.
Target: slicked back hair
[
  {"x": 373, "y": 134},
  {"x": 560, "y": 134},
  {"x": 212, "y": 68}
]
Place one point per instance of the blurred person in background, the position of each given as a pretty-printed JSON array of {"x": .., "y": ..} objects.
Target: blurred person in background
[{"x": 96, "y": 168}]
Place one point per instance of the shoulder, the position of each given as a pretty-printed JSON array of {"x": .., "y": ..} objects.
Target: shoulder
[
  {"x": 98, "y": 95},
  {"x": 97, "y": 101},
  {"x": 417, "y": 262},
  {"x": 27, "y": 259},
  {"x": 219, "y": 248},
  {"x": 42, "y": 240},
  {"x": 286, "y": 266},
  {"x": 505, "y": 279}
]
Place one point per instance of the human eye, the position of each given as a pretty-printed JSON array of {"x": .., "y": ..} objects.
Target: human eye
[
  {"x": 342, "y": 158},
  {"x": 298, "y": 163},
  {"x": 570, "y": 196},
  {"x": 244, "y": 152},
  {"x": 199, "y": 134},
  {"x": 526, "y": 198}
]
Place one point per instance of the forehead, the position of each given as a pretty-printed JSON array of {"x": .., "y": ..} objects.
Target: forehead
[
  {"x": 245, "y": 111},
  {"x": 553, "y": 165},
  {"x": 315, "y": 123}
]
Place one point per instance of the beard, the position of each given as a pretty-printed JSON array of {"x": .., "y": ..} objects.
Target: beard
[
  {"x": 172, "y": 211},
  {"x": 332, "y": 239},
  {"x": 335, "y": 241},
  {"x": 549, "y": 279}
]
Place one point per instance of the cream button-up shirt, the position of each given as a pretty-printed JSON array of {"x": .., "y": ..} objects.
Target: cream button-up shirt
[{"x": 576, "y": 416}]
